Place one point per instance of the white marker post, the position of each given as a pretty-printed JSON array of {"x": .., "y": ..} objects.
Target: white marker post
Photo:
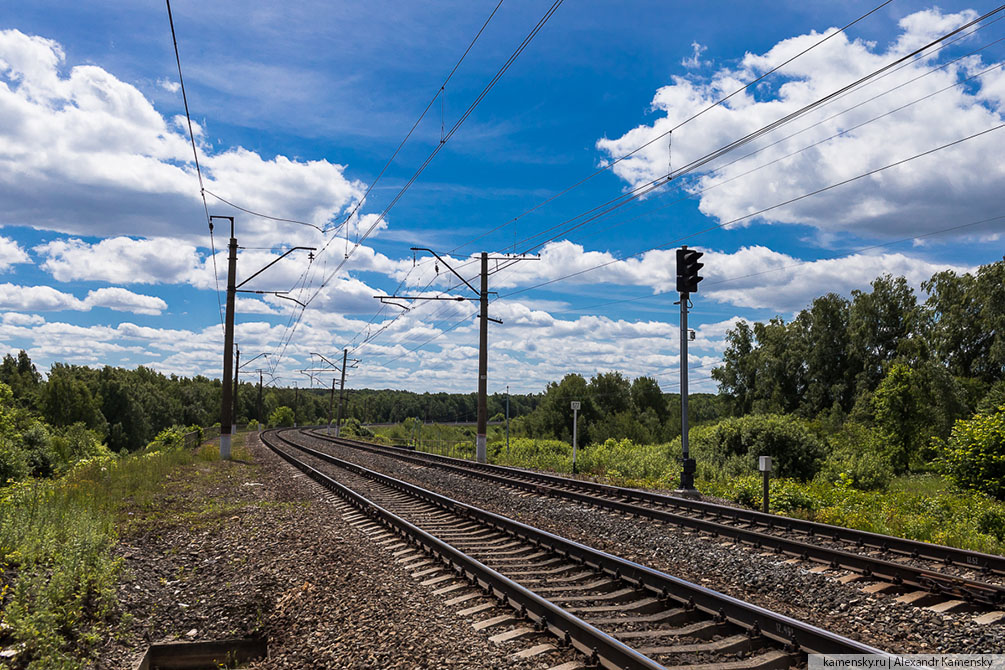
[
  {"x": 764, "y": 465},
  {"x": 575, "y": 420}
]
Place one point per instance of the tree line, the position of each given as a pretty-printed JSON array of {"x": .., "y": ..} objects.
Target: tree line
[
  {"x": 613, "y": 406},
  {"x": 898, "y": 369}
]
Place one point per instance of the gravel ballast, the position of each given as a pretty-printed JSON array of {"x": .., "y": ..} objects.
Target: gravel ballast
[
  {"x": 236, "y": 549},
  {"x": 741, "y": 572}
]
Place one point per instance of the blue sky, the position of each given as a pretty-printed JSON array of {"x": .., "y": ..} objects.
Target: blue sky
[{"x": 105, "y": 250}]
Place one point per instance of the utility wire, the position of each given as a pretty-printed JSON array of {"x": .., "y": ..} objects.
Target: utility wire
[
  {"x": 692, "y": 194},
  {"x": 195, "y": 156},
  {"x": 763, "y": 210},
  {"x": 266, "y": 216},
  {"x": 719, "y": 102},
  {"x": 439, "y": 94},
  {"x": 789, "y": 266},
  {"x": 833, "y": 97},
  {"x": 650, "y": 186},
  {"x": 495, "y": 79}
]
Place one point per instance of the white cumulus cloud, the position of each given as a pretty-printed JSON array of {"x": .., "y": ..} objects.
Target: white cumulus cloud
[
  {"x": 86, "y": 153},
  {"x": 922, "y": 195}
]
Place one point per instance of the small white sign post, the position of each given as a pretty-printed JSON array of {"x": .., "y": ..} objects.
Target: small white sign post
[
  {"x": 764, "y": 465},
  {"x": 575, "y": 420}
]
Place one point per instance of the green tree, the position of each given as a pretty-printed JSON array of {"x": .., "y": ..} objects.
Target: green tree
[
  {"x": 780, "y": 380},
  {"x": 974, "y": 456},
  {"x": 647, "y": 395},
  {"x": 828, "y": 367},
  {"x": 553, "y": 417},
  {"x": 66, "y": 400},
  {"x": 966, "y": 321},
  {"x": 611, "y": 393},
  {"x": 281, "y": 417},
  {"x": 738, "y": 375},
  {"x": 911, "y": 405},
  {"x": 881, "y": 325},
  {"x": 22, "y": 377}
]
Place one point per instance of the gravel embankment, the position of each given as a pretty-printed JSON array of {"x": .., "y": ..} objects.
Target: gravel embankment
[
  {"x": 234, "y": 549},
  {"x": 740, "y": 572}
]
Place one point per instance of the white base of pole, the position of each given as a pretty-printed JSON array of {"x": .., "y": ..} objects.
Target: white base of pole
[
  {"x": 481, "y": 449},
  {"x": 225, "y": 446}
]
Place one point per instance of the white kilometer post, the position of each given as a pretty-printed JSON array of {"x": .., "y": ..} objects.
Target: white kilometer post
[
  {"x": 575, "y": 416},
  {"x": 764, "y": 465}
]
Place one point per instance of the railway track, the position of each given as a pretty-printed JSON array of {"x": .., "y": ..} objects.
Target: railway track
[
  {"x": 619, "y": 614},
  {"x": 945, "y": 578}
]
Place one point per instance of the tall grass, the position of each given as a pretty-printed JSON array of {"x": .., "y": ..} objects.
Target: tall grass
[
  {"x": 920, "y": 506},
  {"x": 57, "y": 566}
]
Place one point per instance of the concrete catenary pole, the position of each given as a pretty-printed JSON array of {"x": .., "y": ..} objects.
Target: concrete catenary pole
[
  {"x": 341, "y": 395},
  {"x": 507, "y": 418},
  {"x": 331, "y": 407},
  {"x": 228, "y": 347},
  {"x": 481, "y": 448},
  {"x": 575, "y": 432},
  {"x": 237, "y": 371}
]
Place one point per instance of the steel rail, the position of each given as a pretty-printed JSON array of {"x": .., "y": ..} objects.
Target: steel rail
[
  {"x": 898, "y": 573},
  {"x": 608, "y": 651},
  {"x": 796, "y": 635}
]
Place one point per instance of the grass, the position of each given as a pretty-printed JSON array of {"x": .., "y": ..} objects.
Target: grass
[
  {"x": 58, "y": 570},
  {"x": 916, "y": 506}
]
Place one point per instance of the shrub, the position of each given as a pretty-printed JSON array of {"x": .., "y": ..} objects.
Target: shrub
[
  {"x": 37, "y": 445},
  {"x": 351, "y": 427},
  {"x": 281, "y": 417},
  {"x": 169, "y": 438},
  {"x": 857, "y": 458},
  {"x": 795, "y": 450},
  {"x": 974, "y": 456},
  {"x": 13, "y": 463},
  {"x": 624, "y": 459},
  {"x": 553, "y": 455},
  {"x": 76, "y": 443}
]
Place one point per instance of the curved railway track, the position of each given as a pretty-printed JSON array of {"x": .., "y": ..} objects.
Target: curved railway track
[
  {"x": 618, "y": 613},
  {"x": 961, "y": 578}
]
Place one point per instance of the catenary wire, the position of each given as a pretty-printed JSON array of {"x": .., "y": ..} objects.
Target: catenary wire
[
  {"x": 505, "y": 67},
  {"x": 763, "y": 210},
  {"x": 195, "y": 156},
  {"x": 722, "y": 100}
]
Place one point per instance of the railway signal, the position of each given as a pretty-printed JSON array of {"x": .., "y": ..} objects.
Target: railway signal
[
  {"x": 687, "y": 270},
  {"x": 687, "y": 283}
]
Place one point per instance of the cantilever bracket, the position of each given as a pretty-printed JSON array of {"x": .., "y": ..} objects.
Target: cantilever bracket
[{"x": 278, "y": 294}]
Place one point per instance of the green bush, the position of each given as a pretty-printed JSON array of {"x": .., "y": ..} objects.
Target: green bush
[
  {"x": 625, "y": 460},
  {"x": 77, "y": 442},
  {"x": 857, "y": 458},
  {"x": 37, "y": 445},
  {"x": 351, "y": 427},
  {"x": 795, "y": 450},
  {"x": 13, "y": 463},
  {"x": 281, "y": 417},
  {"x": 974, "y": 456},
  {"x": 553, "y": 455}
]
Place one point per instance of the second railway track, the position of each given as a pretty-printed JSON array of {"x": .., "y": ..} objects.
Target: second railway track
[
  {"x": 618, "y": 613},
  {"x": 952, "y": 578}
]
